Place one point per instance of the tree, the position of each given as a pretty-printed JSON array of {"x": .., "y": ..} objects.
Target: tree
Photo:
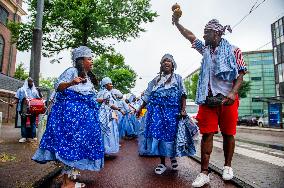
[
  {"x": 47, "y": 83},
  {"x": 187, "y": 87},
  {"x": 244, "y": 89},
  {"x": 71, "y": 23},
  {"x": 191, "y": 86},
  {"x": 20, "y": 72},
  {"x": 113, "y": 66}
]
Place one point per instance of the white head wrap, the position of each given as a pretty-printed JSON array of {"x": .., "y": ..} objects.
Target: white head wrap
[
  {"x": 106, "y": 80},
  {"x": 82, "y": 51},
  {"x": 117, "y": 93},
  {"x": 26, "y": 86}
]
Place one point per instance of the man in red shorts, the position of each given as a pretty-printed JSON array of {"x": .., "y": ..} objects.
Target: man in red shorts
[{"x": 221, "y": 76}]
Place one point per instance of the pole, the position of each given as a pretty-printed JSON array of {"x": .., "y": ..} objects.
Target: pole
[{"x": 37, "y": 44}]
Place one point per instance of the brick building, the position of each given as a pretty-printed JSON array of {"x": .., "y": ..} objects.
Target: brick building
[{"x": 10, "y": 10}]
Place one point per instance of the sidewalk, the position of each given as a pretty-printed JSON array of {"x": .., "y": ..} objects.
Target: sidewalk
[
  {"x": 269, "y": 137},
  {"x": 16, "y": 167}
]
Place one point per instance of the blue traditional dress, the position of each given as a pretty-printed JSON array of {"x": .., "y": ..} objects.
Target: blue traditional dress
[
  {"x": 125, "y": 129},
  {"x": 108, "y": 117},
  {"x": 73, "y": 133},
  {"x": 163, "y": 108}
]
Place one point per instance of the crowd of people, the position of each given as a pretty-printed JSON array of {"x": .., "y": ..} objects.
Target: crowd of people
[{"x": 85, "y": 125}]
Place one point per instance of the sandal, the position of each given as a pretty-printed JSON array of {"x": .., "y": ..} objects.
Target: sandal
[
  {"x": 79, "y": 185},
  {"x": 160, "y": 169},
  {"x": 174, "y": 163}
]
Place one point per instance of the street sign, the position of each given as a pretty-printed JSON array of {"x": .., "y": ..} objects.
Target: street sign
[{"x": 274, "y": 111}]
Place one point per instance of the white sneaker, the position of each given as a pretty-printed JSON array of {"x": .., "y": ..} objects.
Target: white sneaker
[
  {"x": 227, "y": 173},
  {"x": 22, "y": 140},
  {"x": 201, "y": 180},
  {"x": 34, "y": 139}
]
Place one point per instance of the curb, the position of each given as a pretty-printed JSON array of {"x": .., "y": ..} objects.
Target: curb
[
  {"x": 236, "y": 179},
  {"x": 260, "y": 128},
  {"x": 46, "y": 179},
  {"x": 272, "y": 146}
]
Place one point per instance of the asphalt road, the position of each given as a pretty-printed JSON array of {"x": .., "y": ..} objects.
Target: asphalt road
[{"x": 127, "y": 169}]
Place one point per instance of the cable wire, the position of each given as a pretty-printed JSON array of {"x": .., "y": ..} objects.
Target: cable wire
[{"x": 253, "y": 8}]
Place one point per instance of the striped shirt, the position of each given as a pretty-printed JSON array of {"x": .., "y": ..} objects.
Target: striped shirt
[{"x": 200, "y": 47}]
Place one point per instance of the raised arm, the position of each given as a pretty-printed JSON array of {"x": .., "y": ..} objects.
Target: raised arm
[{"x": 185, "y": 32}]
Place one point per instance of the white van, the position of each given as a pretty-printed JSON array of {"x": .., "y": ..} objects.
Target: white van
[{"x": 191, "y": 109}]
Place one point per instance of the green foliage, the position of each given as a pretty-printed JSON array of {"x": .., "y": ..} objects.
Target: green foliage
[
  {"x": 187, "y": 87},
  {"x": 71, "y": 23},
  {"x": 244, "y": 89},
  {"x": 47, "y": 83},
  {"x": 191, "y": 86},
  {"x": 20, "y": 72},
  {"x": 112, "y": 65}
]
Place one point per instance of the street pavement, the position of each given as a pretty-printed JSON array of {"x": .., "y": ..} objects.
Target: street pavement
[
  {"x": 16, "y": 167},
  {"x": 128, "y": 170},
  {"x": 256, "y": 162}
]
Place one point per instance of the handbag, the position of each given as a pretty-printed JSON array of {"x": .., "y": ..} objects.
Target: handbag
[{"x": 214, "y": 101}]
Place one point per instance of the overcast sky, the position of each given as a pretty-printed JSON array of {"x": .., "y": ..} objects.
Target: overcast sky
[{"x": 144, "y": 53}]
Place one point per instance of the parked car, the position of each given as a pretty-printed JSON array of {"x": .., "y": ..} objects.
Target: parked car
[
  {"x": 249, "y": 120},
  {"x": 192, "y": 110},
  {"x": 263, "y": 120}
]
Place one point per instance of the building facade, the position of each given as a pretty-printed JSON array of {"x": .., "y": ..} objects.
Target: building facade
[
  {"x": 261, "y": 76},
  {"x": 10, "y": 10},
  {"x": 277, "y": 31}
]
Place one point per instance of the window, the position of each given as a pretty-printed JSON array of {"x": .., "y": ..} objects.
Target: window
[
  {"x": 278, "y": 54},
  {"x": 256, "y": 78},
  {"x": 257, "y": 111},
  {"x": 281, "y": 89},
  {"x": 255, "y": 100},
  {"x": 280, "y": 73},
  {"x": 2, "y": 44},
  {"x": 275, "y": 55},
  {"x": 282, "y": 51},
  {"x": 3, "y": 15}
]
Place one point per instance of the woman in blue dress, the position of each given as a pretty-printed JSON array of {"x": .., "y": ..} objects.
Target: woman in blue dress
[
  {"x": 165, "y": 98},
  {"x": 123, "y": 120},
  {"x": 109, "y": 117},
  {"x": 73, "y": 133}
]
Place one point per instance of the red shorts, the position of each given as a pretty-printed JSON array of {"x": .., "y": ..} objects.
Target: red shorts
[{"x": 225, "y": 116}]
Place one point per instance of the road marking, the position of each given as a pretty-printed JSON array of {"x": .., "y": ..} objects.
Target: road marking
[{"x": 256, "y": 155}]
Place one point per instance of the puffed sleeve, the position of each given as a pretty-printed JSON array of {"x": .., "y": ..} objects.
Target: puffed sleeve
[
  {"x": 67, "y": 76},
  {"x": 181, "y": 85},
  {"x": 148, "y": 91}
]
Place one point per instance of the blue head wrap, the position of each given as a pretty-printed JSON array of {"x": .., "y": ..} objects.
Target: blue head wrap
[
  {"x": 130, "y": 99},
  {"x": 170, "y": 57},
  {"x": 216, "y": 26}
]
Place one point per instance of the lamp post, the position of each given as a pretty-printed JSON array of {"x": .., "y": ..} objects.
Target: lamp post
[{"x": 37, "y": 44}]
